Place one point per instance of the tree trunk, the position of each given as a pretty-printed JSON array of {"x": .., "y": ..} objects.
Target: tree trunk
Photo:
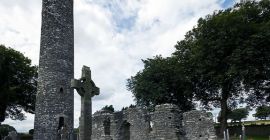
[
  {"x": 223, "y": 115},
  {"x": 2, "y": 113}
]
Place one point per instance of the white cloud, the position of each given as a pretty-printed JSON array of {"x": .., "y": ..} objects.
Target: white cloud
[
  {"x": 20, "y": 26},
  {"x": 110, "y": 37}
]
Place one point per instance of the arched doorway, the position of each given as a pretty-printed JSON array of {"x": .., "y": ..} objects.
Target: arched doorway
[{"x": 125, "y": 131}]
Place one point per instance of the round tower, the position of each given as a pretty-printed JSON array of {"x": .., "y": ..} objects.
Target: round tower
[{"x": 55, "y": 99}]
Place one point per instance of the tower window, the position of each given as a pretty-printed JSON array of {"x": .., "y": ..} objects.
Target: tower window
[
  {"x": 61, "y": 90},
  {"x": 151, "y": 124},
  {"x": 61, "y": 122}
]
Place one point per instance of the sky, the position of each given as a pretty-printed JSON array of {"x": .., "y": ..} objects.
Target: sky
[{"x": 111, "y": 37}]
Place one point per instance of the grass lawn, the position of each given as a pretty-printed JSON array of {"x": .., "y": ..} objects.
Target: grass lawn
[
  {"x": 257, "y": 138},
  {"x": 252, "y": 138},
  {"x": 258, "y": 122}
]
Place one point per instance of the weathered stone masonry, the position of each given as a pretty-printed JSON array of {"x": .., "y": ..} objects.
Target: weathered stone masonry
[
  {"x": 54, "y": 102},
  {"x": 165, "y": 123},
  {"x": 198, "y": 125},
  {"x": 166, "y": 120}
]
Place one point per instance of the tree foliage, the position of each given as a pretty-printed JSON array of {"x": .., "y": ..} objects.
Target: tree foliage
[
  {"x": 238, "y": 114},
  {"x": 109, "y": 108},
  {"x": 262, "y": 112},
  {"x": 17, "y": 84},
  {"x": 161, "y": 81},
  {"x": 31, "y": 132},
  {"x": 227, "y": 54},
  {"x": 5, "y": 129},
  {"x": 130, "y": 106}
]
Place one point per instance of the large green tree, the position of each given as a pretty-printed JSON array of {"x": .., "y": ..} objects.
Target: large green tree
[
  {"x": 17, "y": 84},
  {"x": 5, "y": 129},
  {"x": 161, "y": 81},
  {"x": 238, "y": 114},
  {"x": 262, "y": 112},
  {"x": 227, "y": 54}
]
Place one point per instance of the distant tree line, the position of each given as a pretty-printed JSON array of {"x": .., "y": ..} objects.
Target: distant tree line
[
  {"x": 108, "y": 108},
  {"x": 262, "y": 112}
]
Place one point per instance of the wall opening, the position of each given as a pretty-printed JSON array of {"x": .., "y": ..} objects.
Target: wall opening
[
  {"x": 107, "y": 126},
  {"x": 151, "y": 124},
  {"x": 61, "y": 90},
  {"x": 61, "y": 123},
  {"x": 125, "y": 131}
]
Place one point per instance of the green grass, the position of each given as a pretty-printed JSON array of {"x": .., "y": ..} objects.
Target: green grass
[
  {"x": 257, "y": 138},
  {"x": 246, "y": 123},
  {"x": 252, "y": 138},
  {"x": 259, "y": 122}
]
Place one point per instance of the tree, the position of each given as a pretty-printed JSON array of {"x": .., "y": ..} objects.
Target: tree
[
  {"x": 227, "y": 55},
  {"x": 31, "y": 132},
  {"x": 161, "y": 81},
  {"x": 109, "y": 108},
  {"x": 130, "y": 106},
  {"x": 262, "y": 112},
  {"x": 17, "y": 84},
  {"x": 5, "y": 129},
  {"x": 238, "y": 114}
]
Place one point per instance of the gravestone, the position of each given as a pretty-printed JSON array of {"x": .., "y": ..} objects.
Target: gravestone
[
  {"x": 86, "y": 88},
  {"x": 55, "y": 98}
]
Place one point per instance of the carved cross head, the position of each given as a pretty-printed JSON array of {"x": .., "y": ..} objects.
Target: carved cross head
[{"x": 85, "y": 84}]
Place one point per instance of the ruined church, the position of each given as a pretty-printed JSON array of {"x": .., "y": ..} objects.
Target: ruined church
[{"x": 167, "y": 122}]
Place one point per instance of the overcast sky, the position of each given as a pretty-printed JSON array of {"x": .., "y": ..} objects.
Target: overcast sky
[{"x": 111, "y": 36}]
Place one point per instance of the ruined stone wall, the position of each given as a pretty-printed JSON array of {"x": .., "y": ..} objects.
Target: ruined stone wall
[
  {"x": 198, "y": 125},
  {"x": 116, "y": 123},
  {"x": 101, "y": 122},
  {"x": 130, "y": 124},
  {"x": 139, "y": 123},
  {"x": 167, "y": 122}
]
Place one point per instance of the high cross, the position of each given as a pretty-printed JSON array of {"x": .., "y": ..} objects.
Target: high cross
[{"x": 86, "y": 88}]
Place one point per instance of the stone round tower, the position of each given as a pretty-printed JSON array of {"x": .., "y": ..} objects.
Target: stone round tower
[{"x": 55, "y": 99}]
